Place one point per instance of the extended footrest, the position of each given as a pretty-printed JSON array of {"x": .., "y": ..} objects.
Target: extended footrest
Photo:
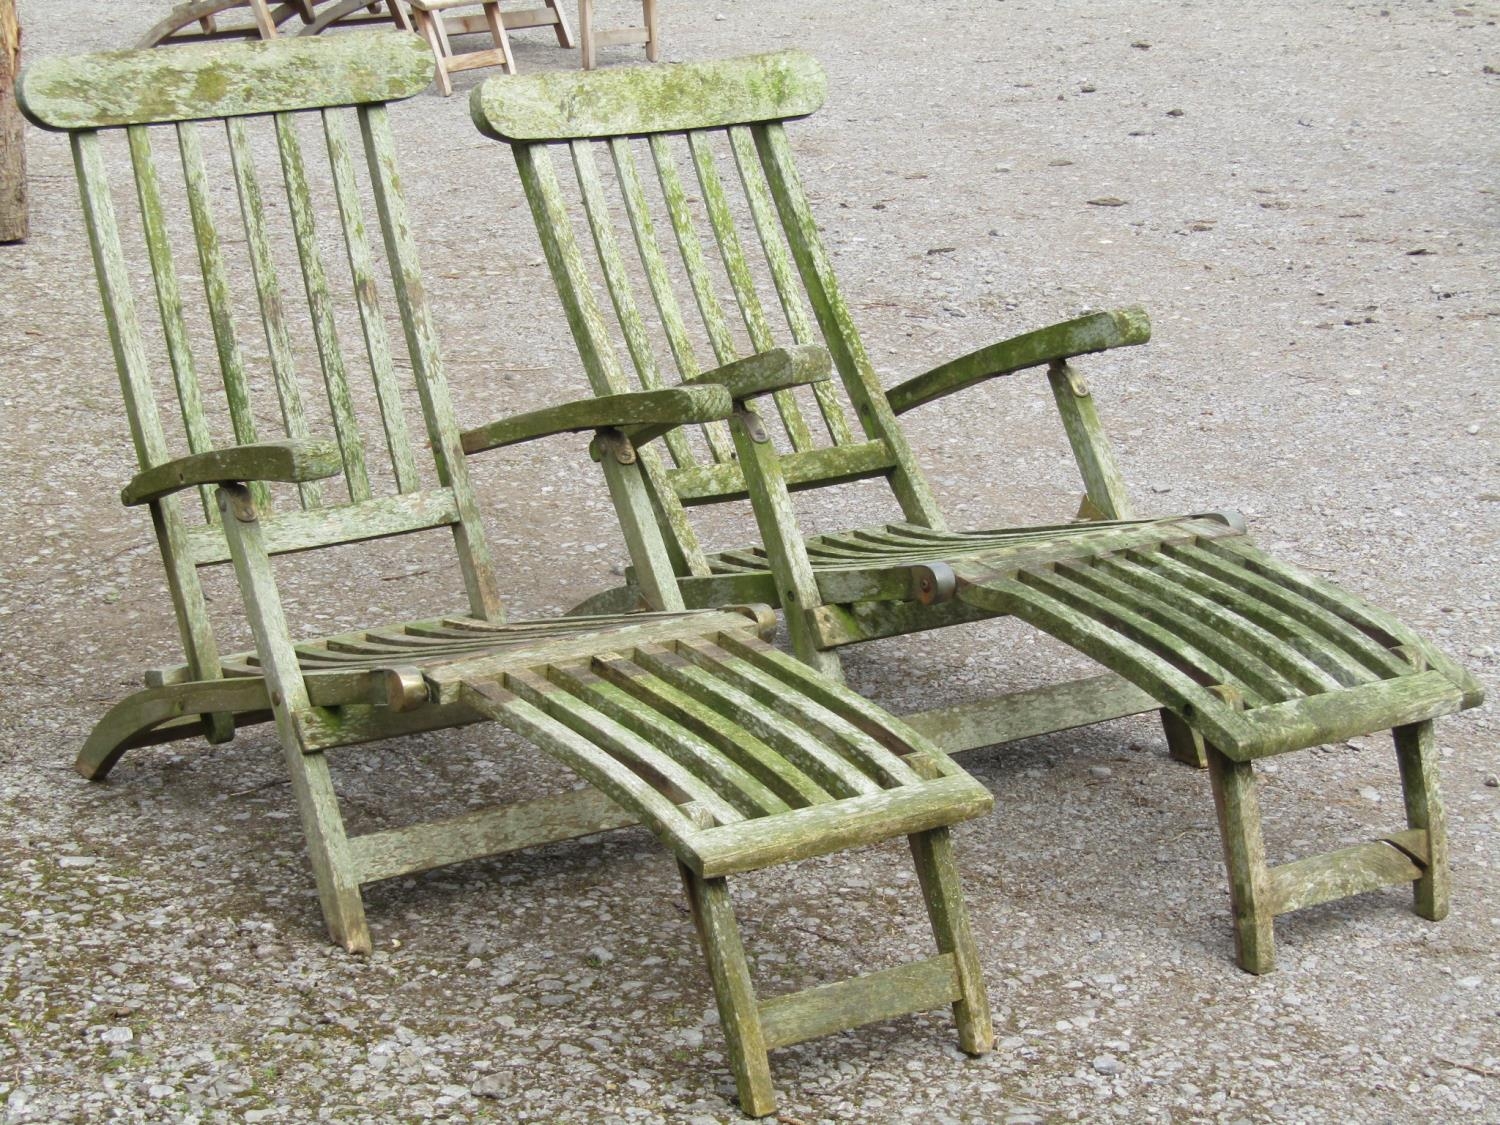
[
  {"x": 1249, "y": 658},
  {"x": 738, "y": 757}
]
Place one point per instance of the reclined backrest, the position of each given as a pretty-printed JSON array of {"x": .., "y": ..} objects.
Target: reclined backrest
[
  {"x": 249, "y": 181},
  {"x": 712, "y": 117}
]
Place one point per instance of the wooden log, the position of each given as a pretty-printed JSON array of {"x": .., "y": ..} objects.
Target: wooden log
[{"x": 13, "y": 220}]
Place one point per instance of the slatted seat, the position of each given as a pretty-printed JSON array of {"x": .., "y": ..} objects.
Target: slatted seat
[
  {"x": 682, "y": 201},
  {"x": 735, "y": 756}
]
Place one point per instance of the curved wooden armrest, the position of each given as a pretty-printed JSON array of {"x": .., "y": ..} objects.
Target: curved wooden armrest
[
  {"x": 294, "y": 461},
  {"x": 765, "y": 372},
  {"x": 1095, "y": 332},
  {"x": 640, "y": 415}
]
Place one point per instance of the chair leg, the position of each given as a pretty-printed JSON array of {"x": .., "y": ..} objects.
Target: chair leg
[
  {"x": 497, "y": 32},
  {"x": 398, "y": 15},
  {"x": 739, "y": 1012},
  {"x": 938, "y": 874},
  {"x": 648, "y": 14},
  {"x": 328, "y": 848},
  {"x": 1424, "y": 810},
  {"x": 586, "y": 33},
  {"x": 431, "y": 26},
  {"x": 1184, "y": 744},
  {"x": 1245, "y": 856},
  {"x": 263, "y": 21},
  {"x": 563, "y": 30}
]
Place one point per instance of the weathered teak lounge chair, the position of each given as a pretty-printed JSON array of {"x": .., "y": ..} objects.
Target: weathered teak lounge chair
[
  {"x": 733, "y": 754},
  {"x": 1238, "y": 650},
  {"x": 434, "y": 22},
  {"x": 197, "y": 20}
]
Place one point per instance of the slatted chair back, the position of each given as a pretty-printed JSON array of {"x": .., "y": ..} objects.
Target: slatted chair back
[
  {"x": 282, "y": 198},
  {"x": 619, "y": 129}
]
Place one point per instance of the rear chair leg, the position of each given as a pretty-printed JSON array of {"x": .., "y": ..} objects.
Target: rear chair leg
[
  {"x": 739, "y": 1011},
  {"x": 938, "y": 874},
  {"x": 1245, "y": 855},
  {"x": 1424, "y": 810}
]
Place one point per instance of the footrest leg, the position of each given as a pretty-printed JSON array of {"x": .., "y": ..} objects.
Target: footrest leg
[
  {"x": 1424, "y": 810},
  {"x": 739, "y": 1012},
  {"x": 938, "y": 874},
  {"x": 1245, "y": 856},
  {"x": 1184, "y": 744}
]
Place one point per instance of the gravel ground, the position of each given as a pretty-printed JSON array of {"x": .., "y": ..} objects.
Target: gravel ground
[{"x": 1306, "y": 203}]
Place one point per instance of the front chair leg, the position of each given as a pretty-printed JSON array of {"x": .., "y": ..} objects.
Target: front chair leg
[
  {"x": 938, "y": 875},
  {"x": 328, "y": 848},
  {"x": 1245, "y": 856},
  {"x": 1424, "y": 810},
  {"x": 739, "y": 1011}
]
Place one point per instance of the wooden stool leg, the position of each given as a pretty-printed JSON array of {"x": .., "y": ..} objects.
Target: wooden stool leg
[
  {"x": 1184, "y": 744},
  {"x": 938, "y": 874},
  {"x": 328, "y": 848},
  {"x": 263, "y": 21},
  {"x": 1245, "y": 857},
  {"x": 497, "y": 32},
  {"x": 430, "y": 24},
  {"x": 1424, "y": 810},
  {"x": 563, "y": 30},
  {"x": 586, "y": 33},
  {"x": 739, "y": 1012},
  {"x": 398, "y": 15},
  {"x": 648, "y": 13}
]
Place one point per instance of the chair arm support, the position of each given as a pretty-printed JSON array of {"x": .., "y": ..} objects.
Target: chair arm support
[
  {"x": 1095, "y": 332},
  {"x": 294, "y": 461},
  {"x": 766, "y": 372},
  {"x": 641, "y": 415}
]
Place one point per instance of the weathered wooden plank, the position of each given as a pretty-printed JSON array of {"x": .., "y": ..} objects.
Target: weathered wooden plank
[
  {"x": 636, "y": 101},
  {"x": 201, "y": 81},
  {"x": 14, "y": 224},
  {"x": 1339, "y": 715},
  {"x": 813, "y": 468},
  {"x": 371, "y": 320},
  {"x": 770, "y": 371},
  {"x": 269, "y": 294},
  {"x": 526, "y": 824},
  {"x": 773, "y": 246},
  {"x": 1334, "y": 875},
  {"x": 323, "y": 527},
  {"x": 474, "y": 559},
  {"x": 917, "y": 501},
  {"x": 1417, "y": 756},
  {"x": 850, "y": 823},
  {"x": 914, "y": 987},
  {"x": 1081, "y": 336},
  {"x": 642, "y": 415},
  {"x": 734, "y": 994},
  {"x": 320, "y": 305},
  {"x": 1103, "y": 483},
  {"x": 268, "y": 461},
  {"x": 937, "y": 871},
  {"x": 1250, "y": 888}
]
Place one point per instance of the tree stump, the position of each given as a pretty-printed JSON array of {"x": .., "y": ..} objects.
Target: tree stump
[{"x": 13, "y": 225}]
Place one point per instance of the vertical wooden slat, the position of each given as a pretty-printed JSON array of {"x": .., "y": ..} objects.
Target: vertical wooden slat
[
  {"x": 474, "y": 558},
  {"x": 911, "y": 489},
  {"x": 637, "y": 341},
  {"x": 325, "y": 331},
  {"x": 691, "y": 251},
  {"x": 662, "y": 293},
  {"x": 721, "y": 219},
  {"x": 140, "y": 403},
  {"x": 268, "y": 291},
  {"x": 762, "y": 210},
  {"x": 372, "y": 322},
  {"x": 169, "y": 301},
  {"x": 216, "y": 294}
]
